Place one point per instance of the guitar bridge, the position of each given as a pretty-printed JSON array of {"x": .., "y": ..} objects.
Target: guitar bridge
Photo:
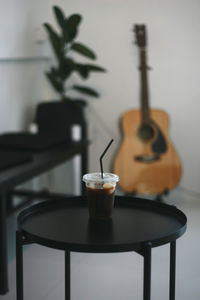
[{"x": 147, "y": 158}]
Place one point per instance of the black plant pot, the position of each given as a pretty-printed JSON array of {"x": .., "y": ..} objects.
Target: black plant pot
[{"x": 57, "y": 118}]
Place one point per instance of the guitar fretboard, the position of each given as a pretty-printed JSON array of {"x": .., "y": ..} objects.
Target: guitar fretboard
[{"x": 144, "y": 87}]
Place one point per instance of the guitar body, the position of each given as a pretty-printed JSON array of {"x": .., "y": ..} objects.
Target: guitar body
[{"x": 147, "y": 166}]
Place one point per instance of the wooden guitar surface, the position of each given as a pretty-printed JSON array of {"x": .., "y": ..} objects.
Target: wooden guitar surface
[{"x": 143, "y": 176}]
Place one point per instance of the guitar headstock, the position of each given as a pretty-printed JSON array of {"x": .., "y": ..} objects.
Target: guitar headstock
[{"x": 140, "y": 33}]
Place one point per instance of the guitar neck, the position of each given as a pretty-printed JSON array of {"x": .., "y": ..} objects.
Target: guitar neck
[{"x": 144, "y": 86}]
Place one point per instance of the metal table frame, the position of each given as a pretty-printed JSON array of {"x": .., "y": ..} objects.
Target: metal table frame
[{"x": 145, "y": 250}]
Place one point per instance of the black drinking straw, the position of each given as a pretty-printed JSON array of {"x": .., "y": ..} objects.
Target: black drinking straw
[{"x": 102, "y": 155}]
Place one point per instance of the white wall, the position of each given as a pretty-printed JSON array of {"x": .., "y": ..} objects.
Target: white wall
[{"x": 173, "y": 52}]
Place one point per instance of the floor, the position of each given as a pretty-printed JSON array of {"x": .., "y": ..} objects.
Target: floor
[{"x": 116, "y": 276}]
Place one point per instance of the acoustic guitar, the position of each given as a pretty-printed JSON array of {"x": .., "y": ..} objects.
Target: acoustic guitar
[{"x": 147, "y": 162}]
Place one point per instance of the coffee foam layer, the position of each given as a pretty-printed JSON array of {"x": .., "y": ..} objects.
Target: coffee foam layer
[{"x": 107, "y": 186}]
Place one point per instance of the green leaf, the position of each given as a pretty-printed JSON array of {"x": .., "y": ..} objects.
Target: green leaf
[
  {"x": 74, "y": 20},
  {"x": 84, "y": 50},
  {"x": 94, "y": 68},
  {"x": 60, "y": 17},
  {"x": 55, "y": 40},
  {"x": 66, "y": 67},
  {"x": 70, "y": 28},
  {"x": 57, "y": 85},
  {"x": 68, "y": 62},
  {"x": 82, "y": 70},
  {"x": 85, "y": 69},
  {"x": 85, "y": 90},
  {"x": 54, "y": 73}
]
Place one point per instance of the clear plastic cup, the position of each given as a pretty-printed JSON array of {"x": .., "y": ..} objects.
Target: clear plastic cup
[{"x": 100, "y": 194}]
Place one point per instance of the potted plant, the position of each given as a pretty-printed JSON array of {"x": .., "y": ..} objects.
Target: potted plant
[{"x": 64, "y": 45}]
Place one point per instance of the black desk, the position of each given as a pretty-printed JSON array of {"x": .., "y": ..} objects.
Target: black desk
[
  {"x": 137, "y": 225},
  {"x": 10, "y": 178}
]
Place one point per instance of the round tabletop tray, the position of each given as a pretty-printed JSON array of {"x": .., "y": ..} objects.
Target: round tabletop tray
[{"x": 65, "y": 224}]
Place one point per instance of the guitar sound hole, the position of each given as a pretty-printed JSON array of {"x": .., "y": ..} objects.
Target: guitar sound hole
[{"x": 146, "y": 132}]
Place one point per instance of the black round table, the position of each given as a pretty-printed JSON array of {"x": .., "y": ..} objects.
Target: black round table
[{"x": 136, "y": 225}]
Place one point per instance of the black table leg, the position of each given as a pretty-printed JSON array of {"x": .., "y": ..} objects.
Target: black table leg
[
  {"x": 147, "y": 272},
  {"x": 84, "y": 167},
  {"x": 67, "y": 275},
  {"x": 3, "y": 247},
  {"x": 19, "y": 265},
  {"x": 172, "y": 278}
]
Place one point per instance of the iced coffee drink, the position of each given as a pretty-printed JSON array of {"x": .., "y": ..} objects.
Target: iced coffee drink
[{"x": 100, "y": 194}]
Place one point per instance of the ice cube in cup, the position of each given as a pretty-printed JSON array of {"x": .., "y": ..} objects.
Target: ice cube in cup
[{"x": 100, "y": 194}]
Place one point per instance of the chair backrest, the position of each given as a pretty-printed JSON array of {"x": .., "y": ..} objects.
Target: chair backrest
[{"x": 57, "y": 118}]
